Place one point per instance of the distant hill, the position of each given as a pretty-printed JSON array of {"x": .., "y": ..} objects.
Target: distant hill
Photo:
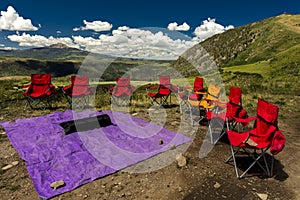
[
  {"x": 53, "y": 52},
  {"x": 275, "y": 41},
  {"x": 61, "y": 60}
]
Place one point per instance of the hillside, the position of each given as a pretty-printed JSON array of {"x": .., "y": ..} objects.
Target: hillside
[{"x": 274, "y": 40}]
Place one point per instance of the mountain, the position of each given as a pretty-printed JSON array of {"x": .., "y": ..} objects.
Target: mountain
[
  {"x": 53, "y": 52},
  {"x": 274, "y": 41}
]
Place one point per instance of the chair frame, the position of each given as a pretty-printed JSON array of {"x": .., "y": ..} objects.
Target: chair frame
[
  {"x": 256, "y": 151},
  {"x": 122, "y": 98},
  {"x": 164, "y": 92},
  {"x": 39, "y": 81},
  {"x": 79, "y": 100}
]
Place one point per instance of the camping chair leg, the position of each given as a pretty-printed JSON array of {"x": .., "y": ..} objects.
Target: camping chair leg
[
  {"x": 256, "y": 161},
  {"x": 272, "y": 166},
  {"x": 234, "y": 161}
]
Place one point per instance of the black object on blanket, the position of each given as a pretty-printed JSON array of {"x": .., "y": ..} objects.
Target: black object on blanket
[{"x": 86, "y": 123}]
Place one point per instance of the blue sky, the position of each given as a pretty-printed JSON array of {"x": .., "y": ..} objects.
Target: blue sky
[{"x": 97, "y": 25}]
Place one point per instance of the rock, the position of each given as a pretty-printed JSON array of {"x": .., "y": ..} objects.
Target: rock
[
  {"x": 217, "y": 185},
  {"x": 172, "y": 146},
  {"x": 57, "y": 184},
  {"x": 134, "y": 114},
  {"x": 179, "y": 189},
  {"x": 262, "y": 196},
  {"x": 160, "y": 141},
  {"x": 181, "y": 160},
  {"x": 14, "y": 163},
  {"x": 7, "y": 167}
]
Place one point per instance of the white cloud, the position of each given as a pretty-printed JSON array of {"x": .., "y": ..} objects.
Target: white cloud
[
  {"x": 39, "y": 40},
  {"x": 129, "y": 42},
  {"x": 175, "y": 27},
  {"x": 12, "y": 21},
  {"x": 8, "y": 48},
  {"x": 138, "y": 43},
  {"x": 124, "y": 42},
  {"x": 209, "y": 28},
  {"x": 95, "y": 26}
]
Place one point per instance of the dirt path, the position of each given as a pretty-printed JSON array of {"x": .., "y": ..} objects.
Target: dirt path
[
  {"x": 205, "y": 178},
  {"x": 290, "y": 156}
]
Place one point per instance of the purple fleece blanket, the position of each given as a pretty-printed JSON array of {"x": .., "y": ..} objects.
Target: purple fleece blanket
[{"x": 81, "y": 157}]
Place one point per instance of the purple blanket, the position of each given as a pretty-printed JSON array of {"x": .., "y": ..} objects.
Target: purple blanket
[{"x": 81, "y": 157}]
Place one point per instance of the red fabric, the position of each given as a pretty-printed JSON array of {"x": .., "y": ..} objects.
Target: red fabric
[
  {"x": 233, "y": 108},
  {"x": 235, "y": 95},
  {"x": 198, "y": 87},
  {"x": 40, "y": 86},
  {"x": 265, "y": 133},
  {"x": 278, "y": 142},
  {"x": 123, "y": 87},
  {"x": 164, "y": 88},
  {"x": 79, "y": 86}
]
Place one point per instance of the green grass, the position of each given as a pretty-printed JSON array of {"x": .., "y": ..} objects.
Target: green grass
[{"x": 263, "y": 68}]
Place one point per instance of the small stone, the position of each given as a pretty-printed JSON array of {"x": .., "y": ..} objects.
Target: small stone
[
  {"x": 14, "y": 163},
  {"x": 217, "y": 185},
  {"x": 160, "y": 141},
  {"x": 7, "y": 167},
  {"x": 2, "y": 133},
  {"x": 57, "y": 184},
  {"x": 181, "y": 160},
  {"x": 262, "y": 196},
  {"x": 172, "y": 146},
  {"x": 179, "y": 189}
]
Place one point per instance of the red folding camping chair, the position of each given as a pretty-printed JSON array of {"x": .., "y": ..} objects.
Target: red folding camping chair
[
  {"x": 226, "y": 111},
  {"x": 122, "y": 91},
  {"x": 79, "y": 91},
  {"x": 163, "y": 91},
  {"x": 256, "y": 142},
  {"x": 38, "y": 91},
  {"x": 185, "y": 93}
]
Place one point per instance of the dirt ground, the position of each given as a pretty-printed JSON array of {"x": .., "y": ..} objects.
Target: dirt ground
[{"x": 201, "y": 178}]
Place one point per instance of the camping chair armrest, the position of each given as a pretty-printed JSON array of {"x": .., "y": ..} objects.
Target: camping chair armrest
[
  {"x": 153, "y": 87},
  {"x": 246, "y": 120},
  {"x": 25, "y": 86},
  {"x": 201, "y": 93}
]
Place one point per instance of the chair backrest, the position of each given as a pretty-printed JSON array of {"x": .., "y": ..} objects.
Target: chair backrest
[
  {"x": 123, "y": 86},
  {"x": 165, "y": 85},
  {"x": 40, "y": 86},
  {"x": 213, "y": 92},
  {"x": 79, "y": 80},
  {"x": 40, "y": 79},
  {"x": 164, "y": 80},
  {"x": 123, "y": 81},
  {"x": 234, "y": 106},
  {"x": 235, "y": 95},
  {"x": 266, "y": 122},
  {"x": 198, "y": 84}
]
